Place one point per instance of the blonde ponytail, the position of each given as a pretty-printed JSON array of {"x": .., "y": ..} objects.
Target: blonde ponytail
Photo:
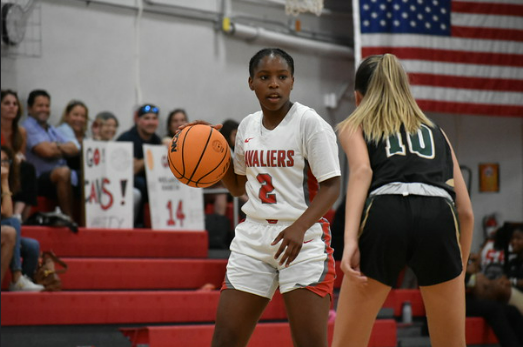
[{"x": 387, "y": 100}]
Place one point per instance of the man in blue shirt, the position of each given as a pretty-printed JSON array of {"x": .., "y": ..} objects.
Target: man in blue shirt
[
  {"x": 47, "y": 150},
  {"x": 146, "y": 120}
]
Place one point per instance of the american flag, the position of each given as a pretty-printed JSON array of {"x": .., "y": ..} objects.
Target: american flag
[{"x": 462, "y": 57}]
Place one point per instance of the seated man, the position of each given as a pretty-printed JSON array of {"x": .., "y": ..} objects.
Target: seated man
[
  {"x": 47, "y": 150},
  {"x": 143, "y": 132}
]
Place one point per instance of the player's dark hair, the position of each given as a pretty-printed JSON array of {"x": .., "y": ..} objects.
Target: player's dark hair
[
  {"x": 255, "y": 60},
  {"x": 36, "y": 93}
]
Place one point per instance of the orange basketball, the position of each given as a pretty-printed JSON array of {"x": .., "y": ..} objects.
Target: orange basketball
[{"x": 199, "y": 156}]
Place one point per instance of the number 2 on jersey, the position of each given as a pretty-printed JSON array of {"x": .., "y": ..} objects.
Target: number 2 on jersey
[
  {"x": 420, "y": 143},
  {"x": 266, "y": 188}
]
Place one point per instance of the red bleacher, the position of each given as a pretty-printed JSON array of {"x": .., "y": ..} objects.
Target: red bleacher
[
  {"x": 265, "y": 334},
  {"x": 148, "y": 277}
]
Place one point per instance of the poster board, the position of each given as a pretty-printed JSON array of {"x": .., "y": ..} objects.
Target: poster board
[
  {"x": 173, "y": 205},
  {"x": 108, "y": 184}
]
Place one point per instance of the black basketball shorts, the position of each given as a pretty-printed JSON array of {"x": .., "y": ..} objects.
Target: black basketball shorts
[{"x": 419, "y": 231}]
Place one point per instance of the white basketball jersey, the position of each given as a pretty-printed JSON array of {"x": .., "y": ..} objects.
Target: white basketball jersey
[{"x": 276, "y": 161}]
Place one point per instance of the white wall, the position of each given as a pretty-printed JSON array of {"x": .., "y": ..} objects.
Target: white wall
[
  {"x": 89, "y": 53},
  {"x": 478, "y": 139}
]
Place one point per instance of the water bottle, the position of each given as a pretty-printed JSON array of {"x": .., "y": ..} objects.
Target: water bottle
[{"x": 407, "y": 312}]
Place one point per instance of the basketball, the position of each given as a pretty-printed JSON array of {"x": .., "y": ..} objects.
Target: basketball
[{"x": 199, "y": 156}]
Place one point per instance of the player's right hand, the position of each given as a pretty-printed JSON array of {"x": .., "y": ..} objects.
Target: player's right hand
[{"x": 350, "y": 262}]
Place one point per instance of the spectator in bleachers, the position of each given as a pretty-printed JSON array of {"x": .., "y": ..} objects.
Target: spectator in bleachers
[
  {"x": 505, "y": 320},
  {"x": 73, "y": 127},
  {"x": 146, "y": 120},
  {"x": 496, "y": 278},
  {"x": 15, "y": 137},
  {"x": 105, "y": 126},
  {"x": 8, "y": 244},
  {"x": 47, "y": 150},
  {"x": 229, "y": 131},
  {"x": 176, "y": 118},
  {"x": 515, "y": 268},
  {"x": 26, "y": 248},
  {"x": 73, "y": 124}
]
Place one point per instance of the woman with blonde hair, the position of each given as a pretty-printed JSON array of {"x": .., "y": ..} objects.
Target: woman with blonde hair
[
  {"x": 407, "y": 205},
  {"x": 73, "y": 123},
  {"x": 73, "y": 126}
]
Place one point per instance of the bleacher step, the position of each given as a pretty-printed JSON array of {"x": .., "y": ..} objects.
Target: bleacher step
[
  {"x": 117, "y": 307},
  {"x": 265, "y": 334},
  {"x": 120, "y": 243},
  {"x": 139, "y": 273}
]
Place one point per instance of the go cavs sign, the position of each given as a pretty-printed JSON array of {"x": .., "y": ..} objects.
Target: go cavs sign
[{"x": 108, "y": 184}]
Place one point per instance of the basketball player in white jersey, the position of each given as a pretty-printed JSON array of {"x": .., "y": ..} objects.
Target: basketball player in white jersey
[{"x": 284, "y": 242}]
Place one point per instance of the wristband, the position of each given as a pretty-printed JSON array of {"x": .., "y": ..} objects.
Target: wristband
[{"x": 6, "y": 194}]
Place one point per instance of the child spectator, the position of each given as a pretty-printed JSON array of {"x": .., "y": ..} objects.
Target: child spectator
[
  {"x": 105, "y": 126},
  {"x": 176, "y": 118}
]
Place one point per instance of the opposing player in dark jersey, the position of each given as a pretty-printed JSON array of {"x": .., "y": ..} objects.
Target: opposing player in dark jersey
[{"x": 407, "y": 204}]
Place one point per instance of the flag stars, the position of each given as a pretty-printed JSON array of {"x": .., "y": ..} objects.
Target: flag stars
[{"x": 424, "y": 17}]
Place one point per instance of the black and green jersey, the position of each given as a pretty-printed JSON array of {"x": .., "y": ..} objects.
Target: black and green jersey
[{"x": 422, "y": 157}]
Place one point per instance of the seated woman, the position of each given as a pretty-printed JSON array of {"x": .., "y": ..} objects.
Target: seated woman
[
  {"x": 26, "y": 248},
  {"x": 73, "y": 126},
  {"x": 14, "y": 136}
]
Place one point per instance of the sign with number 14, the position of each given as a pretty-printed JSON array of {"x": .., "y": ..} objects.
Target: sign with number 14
[{"x": 173, "y": 205}]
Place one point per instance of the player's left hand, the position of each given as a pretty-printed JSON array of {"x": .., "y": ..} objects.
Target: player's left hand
[{"x": 291, "y": 242}]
